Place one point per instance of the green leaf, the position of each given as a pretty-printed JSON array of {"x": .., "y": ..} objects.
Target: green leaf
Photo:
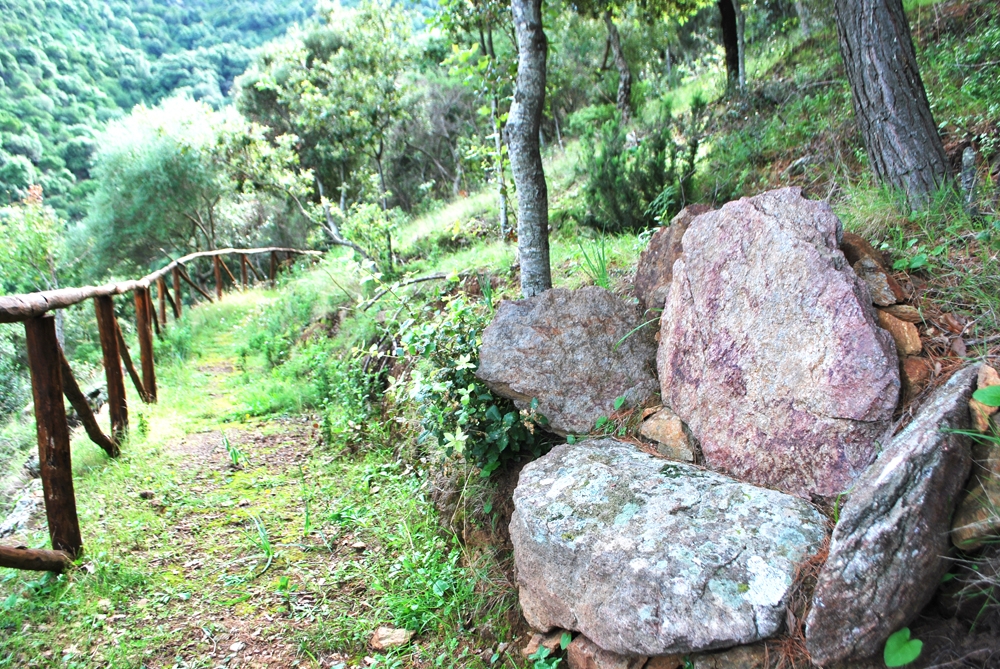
[
  {"x": 565, "y": 640},
  {"x": 900, "y": 649},
  {"x": 570, "y": 439},
  {"x": 619, "y": 401},
  {"x": 990, "y": 396},
  {"x": 601, "y": 422}
]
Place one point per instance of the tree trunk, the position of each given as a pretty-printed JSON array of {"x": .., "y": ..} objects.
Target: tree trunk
[
  {"x": 498, "y": 164},
  {"x": 624, "y": 74},
  {"x": 525, "y": 158},
  {"x": 890, "y": 103},
  {"x": 804, "y": 18},
  {"x": 741, "y": 47},
  {"x": 731, "y": 43}
]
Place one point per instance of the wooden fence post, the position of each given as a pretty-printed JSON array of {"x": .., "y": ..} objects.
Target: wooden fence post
[
  {"x": 218, "y": 277},
  {"x": 177, "y": 290},
  {"x": 143, "y": 310},
  {"x": 161, "y": 295},
  {"x": 53, "y": 435},
  {"x": 243, "y": 271},
  {"x": 108, "y": 331}
]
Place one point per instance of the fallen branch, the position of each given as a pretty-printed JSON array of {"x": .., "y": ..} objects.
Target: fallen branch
[{"x": 33, "y": 559}]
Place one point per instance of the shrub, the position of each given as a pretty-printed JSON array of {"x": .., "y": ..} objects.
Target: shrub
[
  {"x": 459, "y": 411},
  {"x": 637, "y": 177}
]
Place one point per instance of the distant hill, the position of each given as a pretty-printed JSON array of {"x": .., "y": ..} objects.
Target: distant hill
[{"x": 68, "y": 65}]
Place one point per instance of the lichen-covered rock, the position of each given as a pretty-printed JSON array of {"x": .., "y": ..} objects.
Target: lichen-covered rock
[
  {"x": 569, "y": 349},
  {"x": 649, "y": 557},
  {"x": 769, "y": 349},
  {"x": 889, "y": 549},
  {"x": 656, "y": 264}
]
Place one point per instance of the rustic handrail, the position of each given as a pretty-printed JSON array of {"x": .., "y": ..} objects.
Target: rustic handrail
[
  {"x": 52, "y": 378},
  {"x": 16, "y": 308}
]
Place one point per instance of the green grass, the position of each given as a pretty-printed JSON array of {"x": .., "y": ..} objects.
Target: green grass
[{"x": 165, "y": 580}]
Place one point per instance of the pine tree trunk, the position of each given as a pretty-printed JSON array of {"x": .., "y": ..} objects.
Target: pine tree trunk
[
  {"x": 730, "y": 42},
  {"x": 890, "y": 102},
  {"x": 624, "y": 74},
  {"x": 523, "y": 124}
]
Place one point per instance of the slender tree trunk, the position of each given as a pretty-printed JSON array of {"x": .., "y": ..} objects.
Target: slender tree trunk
[
  {"x": 804, "y": 18},
  {"x": 890, "y": 102},
  {"x": 498, "y": 164},
  {"x": 624, "y": 74},
  {"x": 525, "y": 158},
  {"x": 730, "y": 42},
  {"x": 741, "y": 47}
]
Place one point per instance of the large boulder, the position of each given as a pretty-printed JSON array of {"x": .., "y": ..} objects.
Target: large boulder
[
  {"x": 769, "y": 347},
  {"x": 572, "y": 351},
  {"x": 890, "y": 546},
  {"x": 651, "y": 557},
  {"x": 656, "y": 264}
]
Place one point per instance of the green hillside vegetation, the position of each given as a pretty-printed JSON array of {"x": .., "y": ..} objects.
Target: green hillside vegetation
[{"x": 68, "y": 67}]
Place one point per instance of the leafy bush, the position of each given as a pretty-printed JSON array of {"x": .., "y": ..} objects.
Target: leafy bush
[
  {"x": 458, "y": 410},
  {"x": 637, "y": 177}
]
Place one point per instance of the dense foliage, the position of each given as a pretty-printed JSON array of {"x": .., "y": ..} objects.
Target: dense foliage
[{"x": 68, "y": 67}]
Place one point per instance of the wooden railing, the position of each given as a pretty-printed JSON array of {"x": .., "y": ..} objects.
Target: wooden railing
[{"x": 51, "y": 378}]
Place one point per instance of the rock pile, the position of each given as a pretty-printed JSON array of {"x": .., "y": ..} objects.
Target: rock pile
[{"x": 780, "y": 345}]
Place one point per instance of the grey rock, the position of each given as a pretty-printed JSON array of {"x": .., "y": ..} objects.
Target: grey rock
[
  {"x": 650, "y": 557},
  {"x": 655, "y": 268},
  {"x": 741, "y": 657},
  {"x": 769, "y": 347},
  {"x": 562, "y": 348},
  {"x": 890, "y": 546}
]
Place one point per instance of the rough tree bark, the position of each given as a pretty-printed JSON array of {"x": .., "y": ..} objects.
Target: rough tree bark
[
  {"x": 730, "y": 42},
  {"x": 890, "y": 102},
  {"x": 624, "y": 74},
  {"x": 523, "y": 124}
]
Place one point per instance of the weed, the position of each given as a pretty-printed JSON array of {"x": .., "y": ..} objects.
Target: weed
[
  {"x": 261, "y": 540},
  {"x": 900, "y": 649},
  {"x": 236, "y": 456},
  {"x": 596, "y": 265}
]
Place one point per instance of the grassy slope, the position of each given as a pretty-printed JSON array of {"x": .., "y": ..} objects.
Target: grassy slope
[{"x": 267, "y": 553}]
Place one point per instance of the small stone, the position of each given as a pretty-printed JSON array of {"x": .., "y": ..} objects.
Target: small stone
[
  {"x": 904, "y": 312},
  {"x": 890, "y": 546},
  {"x": 858, "y": 251},
  {"x": 585, "y": 654},
  {"x": 665, "y": 662},
  {"x": 981, "y": 413},
  {"x": 977, "y": 520},
  {"x": 915, "y": 374},
  {"x": 552, "y": 640},
  {"x": 359, "y": 546},
  {"x": 877, "y": 281},
  {"x": 237, "y": 647},
  {"x": 146, "y": 494},
  {"x": 390, "y": 637},
  {"x": 672, "y": 438},
  {"x": 741, "y": 657},
  {"x": 906, "y": 335}
]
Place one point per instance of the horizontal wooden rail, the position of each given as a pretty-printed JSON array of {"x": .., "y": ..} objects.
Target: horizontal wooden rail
[
  {"x": 34, "y": 559},
  {"x": 16, "y": 308}
]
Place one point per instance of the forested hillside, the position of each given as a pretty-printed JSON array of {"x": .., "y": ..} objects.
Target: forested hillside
[{"x": 68, "y": 67}]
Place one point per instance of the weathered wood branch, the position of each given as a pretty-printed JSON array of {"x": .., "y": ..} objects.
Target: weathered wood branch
[
  {"x": 79, "y": 402},
  {"x": 127, "y": 359},
  {"x": 33, "y": 559},
  {"x": 16, "y": 308}
]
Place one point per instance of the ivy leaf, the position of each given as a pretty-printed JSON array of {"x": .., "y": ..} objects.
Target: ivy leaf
[
  {"x": 900, "y": 649},
  {"x": 990, "y": 396},
  {"x": 619, "y": 401}
]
